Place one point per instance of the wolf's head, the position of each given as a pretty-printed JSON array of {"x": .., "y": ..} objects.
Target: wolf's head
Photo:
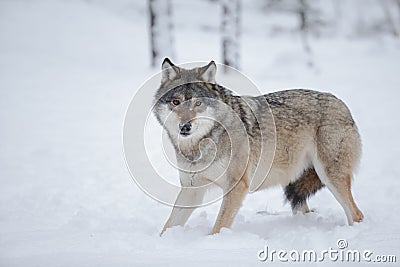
[{"x": 185, "y": 102}]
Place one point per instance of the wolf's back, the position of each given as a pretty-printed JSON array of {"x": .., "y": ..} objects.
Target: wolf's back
[{"x": 300, "y": 108}]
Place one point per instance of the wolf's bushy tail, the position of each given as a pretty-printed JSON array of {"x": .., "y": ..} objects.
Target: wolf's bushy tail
[{"x": 308, "y": 184}]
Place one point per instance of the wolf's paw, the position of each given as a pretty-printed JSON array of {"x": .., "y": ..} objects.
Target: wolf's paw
[
  {"x": 358, "y": 217},
  {"x": 312, "y": 211}
]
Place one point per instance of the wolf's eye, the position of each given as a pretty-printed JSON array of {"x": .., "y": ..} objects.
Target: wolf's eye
[
  {"x": 198, "y": 103},
  {"x": 176, "y": 102}
]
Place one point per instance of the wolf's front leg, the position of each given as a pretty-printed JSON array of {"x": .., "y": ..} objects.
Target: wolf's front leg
[
  {"x": 186, "y": 202},
  {"x": 230, "y": 206}
]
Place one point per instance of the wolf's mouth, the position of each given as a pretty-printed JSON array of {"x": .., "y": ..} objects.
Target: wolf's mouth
[{"x": 184, "y": 133}]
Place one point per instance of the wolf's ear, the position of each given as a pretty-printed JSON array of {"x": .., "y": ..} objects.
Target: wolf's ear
[
  {"x": 207, "y": 73},
  {"x": 169, "y": 70}
]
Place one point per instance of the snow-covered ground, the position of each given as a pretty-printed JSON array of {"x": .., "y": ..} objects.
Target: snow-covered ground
[{"x": 68, "y": 70}]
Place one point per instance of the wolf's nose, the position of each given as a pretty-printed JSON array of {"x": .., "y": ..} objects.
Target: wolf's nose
[{"x": 185, "y": 128}]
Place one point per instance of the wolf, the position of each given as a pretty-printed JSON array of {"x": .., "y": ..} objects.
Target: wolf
[{"x": 309, "y": 138}]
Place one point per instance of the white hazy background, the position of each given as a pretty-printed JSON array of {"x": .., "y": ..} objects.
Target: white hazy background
[{"x": 68, "y": 70}]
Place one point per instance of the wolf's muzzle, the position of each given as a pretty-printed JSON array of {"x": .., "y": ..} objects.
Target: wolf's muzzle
[{"x": 185, "y": 128}]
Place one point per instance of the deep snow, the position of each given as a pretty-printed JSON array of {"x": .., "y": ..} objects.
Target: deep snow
[{"x": 68, "y": 70}]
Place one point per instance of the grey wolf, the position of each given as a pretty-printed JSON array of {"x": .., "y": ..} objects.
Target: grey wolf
[{"x": 315, "y": 139}]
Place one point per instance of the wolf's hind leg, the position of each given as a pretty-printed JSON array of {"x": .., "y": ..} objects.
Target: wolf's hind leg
[
  {"x": 338, "y": 154},
  {"x": 230, "y": 206},
  {"x": 300, "y": 190},
  {"x": 185, "y": 204},
  {"x": 340, "y": 186}
]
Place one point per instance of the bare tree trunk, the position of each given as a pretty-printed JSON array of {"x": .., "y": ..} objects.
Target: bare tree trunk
[
  {"x": 230, "y": 29},
  {"x": 161, "y": 39},
  {"x": 304, "y": 27},
  {"x": 304, "y": 23}
]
